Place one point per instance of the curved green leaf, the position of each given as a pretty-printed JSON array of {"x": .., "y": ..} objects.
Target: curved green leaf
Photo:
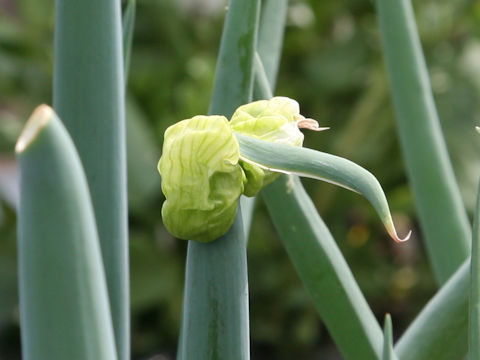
[{"x": 318, "y": 165}]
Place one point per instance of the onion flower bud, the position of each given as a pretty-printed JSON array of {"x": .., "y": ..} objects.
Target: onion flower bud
[{"x": 201, "y": 178}]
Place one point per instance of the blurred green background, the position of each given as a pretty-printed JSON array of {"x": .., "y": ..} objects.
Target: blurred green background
[{"x": 332, "y": 64}]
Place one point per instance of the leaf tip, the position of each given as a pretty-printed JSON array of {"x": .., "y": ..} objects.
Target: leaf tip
[
  {"x": 388, "y": 320},
  {"x": 477, "y": 128},
  {"x": 37, "y": 121},
  {"x": 393, "y": 232}
]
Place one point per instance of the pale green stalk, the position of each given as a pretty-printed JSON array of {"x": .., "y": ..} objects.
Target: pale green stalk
[
  {"x": 388, "y": 353},
  {"x": 88, "y": 95},
  {"x": 128, "y": 25},
  {"x": 474, "y": 305},
  {"x": 323, "y": 270},
  {"x": 270, "y": 42},
  {"x": 215, "y": 309},
  {"x": 215, "y": 320},
  {"x": 270, "y": 36},
  {"x": 442, "y": 214},
  {"x": 440, "y": 330}
]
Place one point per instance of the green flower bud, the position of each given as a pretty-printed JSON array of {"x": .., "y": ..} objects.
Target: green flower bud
[
  {"x": 276, "y": 120},
  {"x": 201, "y": 178}
]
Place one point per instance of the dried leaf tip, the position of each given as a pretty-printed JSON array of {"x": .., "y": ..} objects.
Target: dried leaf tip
[
  {"x": 393, "y": 234},
  {"x": 37, "y": 121},
  {"x": 401, "y": 240},
  {"x": 390, "y": 227}
]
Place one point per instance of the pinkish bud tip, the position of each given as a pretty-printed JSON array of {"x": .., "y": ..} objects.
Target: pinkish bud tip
[{"x": 310, "y": 124}]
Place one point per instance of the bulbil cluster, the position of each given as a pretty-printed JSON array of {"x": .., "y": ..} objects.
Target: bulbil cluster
[{"x": 203, "y": 173}]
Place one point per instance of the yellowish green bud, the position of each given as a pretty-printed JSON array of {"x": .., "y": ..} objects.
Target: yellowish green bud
[
  {"x": 202, "y": 172},
  {"x": 201, "y": 178},
  {"x": 276, "y": 120}
]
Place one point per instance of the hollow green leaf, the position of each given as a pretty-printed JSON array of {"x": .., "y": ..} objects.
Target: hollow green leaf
[
  {"x": 270, "y": 36},
  {"x": 323, "y": 270},
  {"x": 88, "y": 94},
  {"x": 474, "y": 304},
  {"x": 128, "y": 24},
  {"x": 318, "y": 165},
  {"x": 234, "y": 72},
  {"x": 388, "y": 353},
  {"x": 261, "y": 84},
  {"x": 440, "y": 330},
  {"x": 65, "y": 313},
  {"x": 442, "y": 214},
  {"x": 215, "y": 308},
  {"x": 270, "y": 42},
  {"x": 248, "y": 207}
]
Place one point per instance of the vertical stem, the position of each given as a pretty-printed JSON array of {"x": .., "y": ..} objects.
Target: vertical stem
[
  {"x": 270, "y": 36},
  {"x": 234, "y": 73},
  {"x": 128, "y": 24},
  {"x": 388, "y": 353},
  {"x": 215, "y": 311},
  {"x": 441, "y": 211},
  {"x": 215, "y": 323},
  {"x": 89, "y": 97},
  {"x": 474, "y": 316}
]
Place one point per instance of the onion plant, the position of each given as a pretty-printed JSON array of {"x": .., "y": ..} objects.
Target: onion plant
[{"x": 73, "y": 213}]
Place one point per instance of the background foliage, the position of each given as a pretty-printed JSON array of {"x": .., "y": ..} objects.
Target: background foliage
[{"x": 333, "y": 66}]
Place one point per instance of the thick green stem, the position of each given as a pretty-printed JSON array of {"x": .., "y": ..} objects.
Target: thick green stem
[
  {"x": 215, "y": 309},
  {"x": 270, "y": 36},
  {"x": 215, "y": 322},
  {"x": 89, "y": 97}
]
